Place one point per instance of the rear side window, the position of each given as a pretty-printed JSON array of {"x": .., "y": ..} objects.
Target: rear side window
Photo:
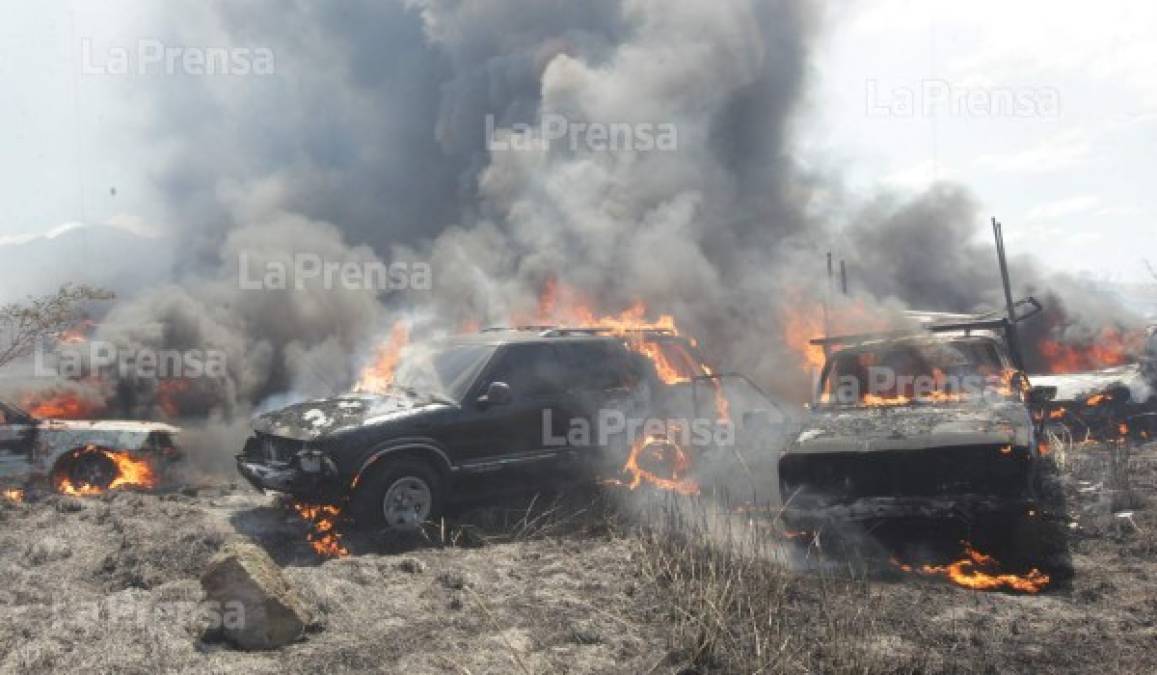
[{"x": 600, "y": 366}]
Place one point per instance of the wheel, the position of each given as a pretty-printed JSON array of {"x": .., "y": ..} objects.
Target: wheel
[
  {"x": 1041, "y": 540},
  {"x": 86, "y": 468},
  {"x": 400, "y": 495}
]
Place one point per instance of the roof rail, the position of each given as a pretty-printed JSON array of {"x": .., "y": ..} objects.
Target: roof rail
[
  {"x": 601, "y": 330},
  {"x": 976, "y": 322},
  {"x": 527, "y": 328}
]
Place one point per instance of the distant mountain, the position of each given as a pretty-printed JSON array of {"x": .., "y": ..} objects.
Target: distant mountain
[{"x": 109, "y": 257}]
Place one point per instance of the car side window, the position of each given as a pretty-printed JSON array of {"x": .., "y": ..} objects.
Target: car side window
[
  {"x": 598, "y": 367},
  {"x": 532, "y": 370}
]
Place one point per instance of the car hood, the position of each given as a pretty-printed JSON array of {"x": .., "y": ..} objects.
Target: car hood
[
  {"x": 914, "y": 428},
  {"x": 318, "y": 418}
]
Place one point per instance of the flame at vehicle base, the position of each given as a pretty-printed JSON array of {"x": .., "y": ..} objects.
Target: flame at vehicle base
[
  {"x": 323, "y": 536},
  {"x": 981, "y": 572},
  {"x": 127, "y": 471},
  {"x": 651, "y": 455},
  {"x": 16, "y": 496}
]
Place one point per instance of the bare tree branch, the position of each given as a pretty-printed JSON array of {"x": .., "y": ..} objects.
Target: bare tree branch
[{"x": 23, "y": 325}]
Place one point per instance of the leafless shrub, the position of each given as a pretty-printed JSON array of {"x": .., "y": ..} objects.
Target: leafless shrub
[
  {"x": 23, "y": 325},
  {"x": 735, "y": 605}
]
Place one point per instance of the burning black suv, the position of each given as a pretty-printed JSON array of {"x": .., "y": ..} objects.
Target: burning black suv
[
  {"x": 494, "y": 407},
  {"x": 936, "y": 430}
]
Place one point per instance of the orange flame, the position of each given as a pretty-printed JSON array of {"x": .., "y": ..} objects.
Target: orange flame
[
  {"x": 801, "y": 325},
  {"x": 167, "y": 393},
  {"x": 64, "y": 405},
  {"x": 562, "y": 305},
  {"x": 130, "y": 472},
  {"x": 323, "y": 536},
  {"x": 377, "y": 377},
  {"x": 981, "y": 572},
  {"x": 76, "y": 334},
  {"x": 1097, "y": 399},
  {"x": 666, "y": 453},
  {"x": 16, "y": 496},
  {"x": 798, "y": 328},
  {"x": 1111, "y": 347}
]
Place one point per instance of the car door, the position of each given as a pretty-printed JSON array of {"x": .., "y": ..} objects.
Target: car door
[
  {"x": 531, "y": 427},
  {"x": 605, "y": 387}
]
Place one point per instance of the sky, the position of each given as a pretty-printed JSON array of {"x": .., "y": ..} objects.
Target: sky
[{"x": 1046, "y": 111}]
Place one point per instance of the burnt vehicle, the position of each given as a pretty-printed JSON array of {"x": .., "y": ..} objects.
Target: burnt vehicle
[
  {"x": 1116, "y": 403},
  {"x": 496, "y": 407},
  {"x": 933, "y": 431},
  {"x": 82, "y": 456}
]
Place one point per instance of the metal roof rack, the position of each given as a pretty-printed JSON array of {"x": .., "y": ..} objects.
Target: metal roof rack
[
  {"x": 603, "y": 330},
  {"x": 548, "y": 330},
  {"x": 976, "y": 322}
]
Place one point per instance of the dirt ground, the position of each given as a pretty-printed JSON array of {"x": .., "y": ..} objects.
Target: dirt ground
[{"x": 110, "y": 584}]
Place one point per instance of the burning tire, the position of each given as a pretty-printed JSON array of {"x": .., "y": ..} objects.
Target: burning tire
[
  {"x": 400, "y": 495},
  {"x": 86, "y": 469},
  {"x": 92, "y": 470}
]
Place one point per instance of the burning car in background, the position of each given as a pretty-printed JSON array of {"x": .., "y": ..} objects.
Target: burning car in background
[
  {"x": 83, "y": 457},
  {"x": 1108, "y": 404},
  {"x": 495, "y": 406},
  {"x": 937, "y": 427}
]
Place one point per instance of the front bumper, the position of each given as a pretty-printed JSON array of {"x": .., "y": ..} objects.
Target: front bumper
[
  {"x": 303, "y": 472},
  {"x": 280, "y": 478},
  {"x": 809, "y": 514}
]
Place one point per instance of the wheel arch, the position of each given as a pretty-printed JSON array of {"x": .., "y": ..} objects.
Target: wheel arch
[{"x": 424, "y": 450}]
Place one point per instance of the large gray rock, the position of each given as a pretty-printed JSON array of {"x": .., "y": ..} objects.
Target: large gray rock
[{"x": 258, "y": 608}]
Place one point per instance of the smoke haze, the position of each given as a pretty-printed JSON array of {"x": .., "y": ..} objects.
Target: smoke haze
[{"x": 368, "y": 144}]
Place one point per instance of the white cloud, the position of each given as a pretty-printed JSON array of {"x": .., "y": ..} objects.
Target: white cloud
[
  {"x": 1060, "y": 151},
  {"x": 1063, "y": 207}
]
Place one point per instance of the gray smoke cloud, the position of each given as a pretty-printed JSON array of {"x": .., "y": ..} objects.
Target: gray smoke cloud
[{"x": 369, "y": 143}]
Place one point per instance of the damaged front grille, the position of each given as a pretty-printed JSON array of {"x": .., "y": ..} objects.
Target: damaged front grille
[
  {"x": 994, "y": 470},
  {"x": 271, "y": 449}
]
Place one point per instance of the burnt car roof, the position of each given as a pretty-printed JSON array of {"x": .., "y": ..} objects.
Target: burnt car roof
[
  {"x": 501, "y": 336},
  {"x": 916, "y": 340},
  {"x": 53, "y": 424}
]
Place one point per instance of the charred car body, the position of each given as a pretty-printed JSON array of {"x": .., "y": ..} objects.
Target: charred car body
[
  {"x": 81, "y": 452},
  {"x": 963, "y": 452},
  {"x": 494, "y": 406}
]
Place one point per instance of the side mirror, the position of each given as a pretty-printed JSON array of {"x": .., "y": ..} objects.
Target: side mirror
[
  {"x": 497, "y": 393},
  {"x": 1041, "y": 396}
]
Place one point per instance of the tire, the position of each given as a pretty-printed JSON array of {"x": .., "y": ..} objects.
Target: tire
[
  {"x": 1042, "y": 542},
  {"x": 87, "y": 467},
  {"x": 400, "y": 495},
  {"x": 1042, "y": 539}
]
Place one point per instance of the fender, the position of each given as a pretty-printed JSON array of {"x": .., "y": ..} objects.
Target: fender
[{"x": 425, "y": 445}]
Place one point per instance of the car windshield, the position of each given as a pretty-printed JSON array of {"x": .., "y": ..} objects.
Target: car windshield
[
  {"x": 897, "y": 374},
  {"x": 443, "y": 369}
]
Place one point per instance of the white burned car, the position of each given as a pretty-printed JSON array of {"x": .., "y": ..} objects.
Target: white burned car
[{"x": 89, "y": 456}]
